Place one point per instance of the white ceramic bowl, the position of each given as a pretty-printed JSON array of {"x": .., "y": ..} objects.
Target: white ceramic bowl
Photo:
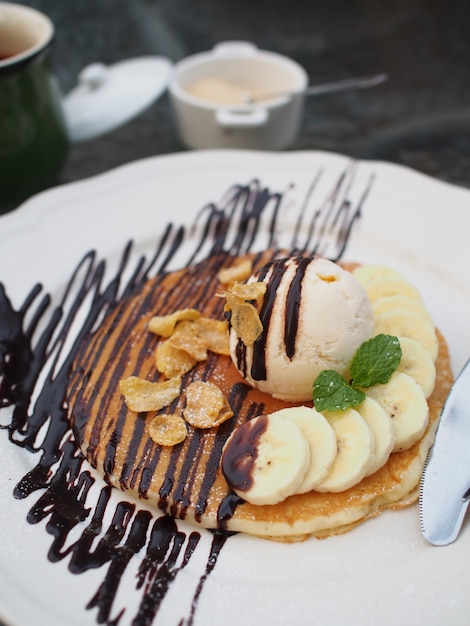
[{"x": 215, "y": 116}]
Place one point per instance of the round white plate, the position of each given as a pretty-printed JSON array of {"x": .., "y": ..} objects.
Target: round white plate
[{"x": 383, "y": 572}]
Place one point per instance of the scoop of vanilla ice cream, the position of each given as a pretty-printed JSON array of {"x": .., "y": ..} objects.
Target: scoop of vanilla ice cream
[{"x": 315, "y": 315}]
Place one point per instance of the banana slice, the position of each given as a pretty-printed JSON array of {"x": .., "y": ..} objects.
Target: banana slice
[
  {"x": 384, "y": 287},
  {"x": 403, "y": 399},
  {"x": 393, "y": 303},
  {"x": 322, "y": 441},
  {"x": 355, "y": 443},
  {"x": 266, "y": 459},
  {"x": 366, "y": 274},
  {"x": 417, "y": 363},
  {"x": 381, "y": 425},
  {"x": 403, "y": 323}
]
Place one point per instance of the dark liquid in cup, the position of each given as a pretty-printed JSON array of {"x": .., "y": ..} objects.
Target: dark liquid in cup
[{"x": 5, "y": 55}]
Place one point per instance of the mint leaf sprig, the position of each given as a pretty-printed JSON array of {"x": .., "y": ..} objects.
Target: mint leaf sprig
[
  {"x": 373, "y": 364},
  {"x": 331, "y": 392}
]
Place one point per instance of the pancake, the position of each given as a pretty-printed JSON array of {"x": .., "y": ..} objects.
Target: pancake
[{"x": 185, "y": 480}]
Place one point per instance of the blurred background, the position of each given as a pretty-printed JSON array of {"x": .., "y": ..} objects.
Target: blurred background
[{"x": 420, "y": 117}]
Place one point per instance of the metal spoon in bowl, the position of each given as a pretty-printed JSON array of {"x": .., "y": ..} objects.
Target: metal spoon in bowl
[{"x": 361, "y": 82}]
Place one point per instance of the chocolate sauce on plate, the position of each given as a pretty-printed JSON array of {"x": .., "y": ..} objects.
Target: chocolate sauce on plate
[{"x": 39, "y": 342}]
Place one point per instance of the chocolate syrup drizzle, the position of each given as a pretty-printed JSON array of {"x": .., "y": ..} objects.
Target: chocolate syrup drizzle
[
  {"x": 276, "y": 271},
  {"x": 38, "y": 344}
]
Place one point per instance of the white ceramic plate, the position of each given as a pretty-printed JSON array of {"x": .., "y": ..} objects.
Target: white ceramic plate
[{"x": 383, "y": 571}]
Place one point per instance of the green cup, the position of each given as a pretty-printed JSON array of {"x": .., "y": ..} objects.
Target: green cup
[{"x": 33, "y": 134}]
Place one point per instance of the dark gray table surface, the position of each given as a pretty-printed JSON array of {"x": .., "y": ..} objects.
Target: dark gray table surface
[{"x": 419, "y": 118}]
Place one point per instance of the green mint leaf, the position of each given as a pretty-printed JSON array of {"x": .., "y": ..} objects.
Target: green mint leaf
[
  {"x": 375, "y": 361},
  {"x": 332, "y": 393}
]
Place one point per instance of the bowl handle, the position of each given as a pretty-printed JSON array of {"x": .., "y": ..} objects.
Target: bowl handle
[
  {"x": 241, "y": 119},
  {"x": 227, "y": 48}
]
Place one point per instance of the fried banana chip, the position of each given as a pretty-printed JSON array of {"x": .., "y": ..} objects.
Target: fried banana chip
[
  {"x": 144, "y": 395},
  {"x": 164, "y": 325},
  {"x": 187, "y": 338},
  {"x": 167, "y": 429},
  {"x": 249, "y": 292},
  {"x": 171, "y": 361},
  {"x": 215, "y": 333},
  {"x": 244, "y": 319},
  {"x": 236, "y": 273},
  {"x": 206, "y": 405},
  {"x": 242, "y": 302}
]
